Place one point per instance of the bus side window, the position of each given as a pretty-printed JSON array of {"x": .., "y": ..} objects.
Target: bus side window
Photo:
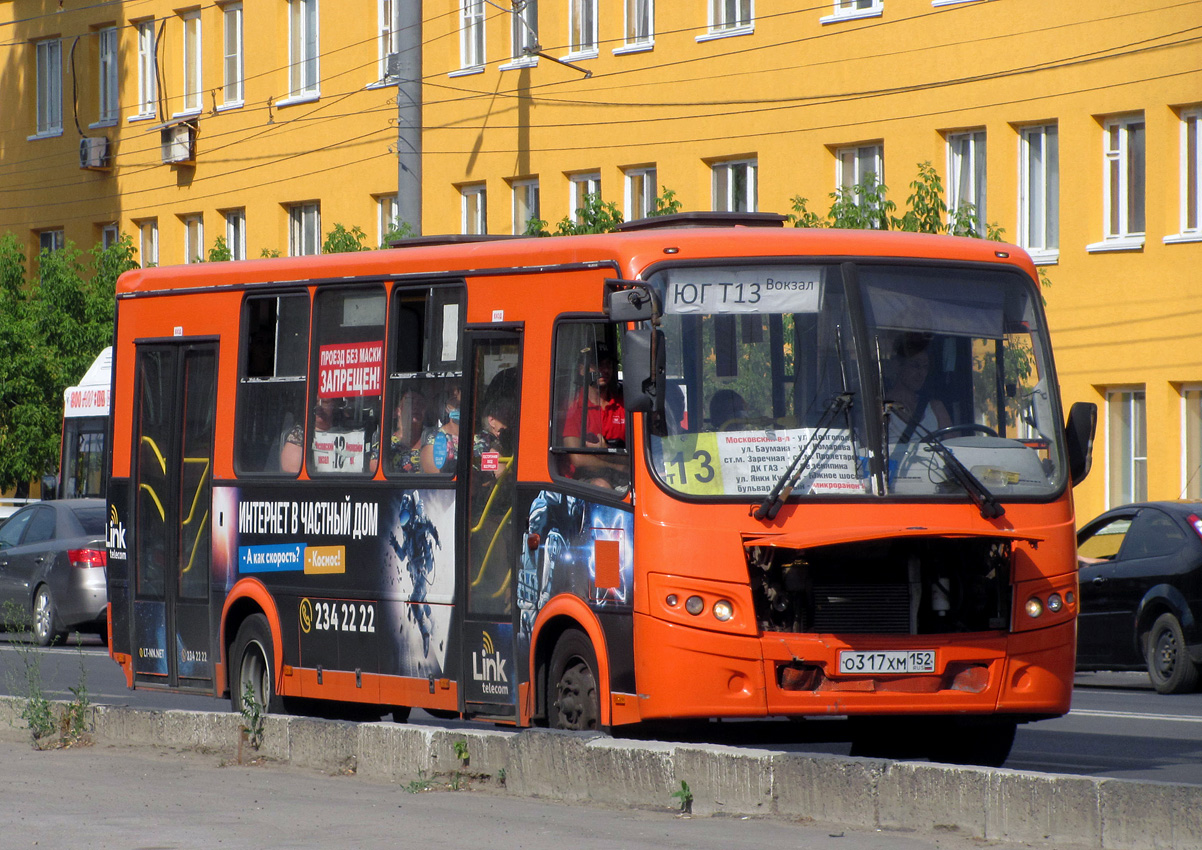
[
  {"x": 422, "y": 430},
  {"x": 589, "y": 439},
  {"x": 271, "y": 386},
  {"x": 348, "y": 378}
]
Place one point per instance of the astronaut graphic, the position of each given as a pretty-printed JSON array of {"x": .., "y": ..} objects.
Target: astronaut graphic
[{"x": 415, "y": 549}]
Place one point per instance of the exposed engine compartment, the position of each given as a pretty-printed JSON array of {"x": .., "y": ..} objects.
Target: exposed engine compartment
[{"x": 911, "y": 585}]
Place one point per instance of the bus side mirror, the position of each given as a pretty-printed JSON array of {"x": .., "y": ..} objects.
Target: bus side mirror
[
  {"x": 1078, "y": 438},
  {"x": 643, "y": 370},
  {"x": 630, "y": 301},
  {"x": 49, "y": 487}
]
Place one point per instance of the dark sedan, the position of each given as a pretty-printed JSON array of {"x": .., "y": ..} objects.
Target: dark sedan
[
  {"x": 1141, "y": 593},
  {"x": 52, "y": 569}
]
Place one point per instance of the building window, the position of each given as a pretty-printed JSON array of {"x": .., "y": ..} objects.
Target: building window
[
  {"x": 1124, "y": 157},
  {"x": 640, "y": 193},
  {"x": 525, "y": 204},
  {"x": 148, "y": 86},
  {"x": 52, "y": 240},
  {"x": 966, "y": 182},
  {"x": 110, "y": 235},
  {"x": 148, "y": 242},
  {"x": 475, "y": 210},
  {"x": 235, "y": 233},
  {"x": 304, "y": 232},
  {"x": 582, "y": 27},
  {"x": 735, "y": 186},
  {"x": 582, "y": 186},
  {"x": 192, "y": 62},
  {"x": 388, "y": 216},
  {"x": 50, "y": 87},
  {"x": 859, "y": 170},
  {"x": 471, "y": 33},
  {"x": 108, "y": 75},
  {"x": 851, "y": 9},
  {"x": 730, "y": 16},
  {"x": 1191, "y": 173},
  {"x": 303, "y": 49},
  {"x": 1126, "y": 447},
  {"x": 194, "y": 239},
  {"x": 524, "y": 32},
  {"x": 233, "y": 64},
  {"x": 1191, "y": 443},
  {"x": 1039, "y": 192},
  {"x": 390, "y": 34},
  {"x": 640, "y": 23}
]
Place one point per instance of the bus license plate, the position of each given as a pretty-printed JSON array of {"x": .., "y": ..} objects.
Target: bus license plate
[{"x": 891, "y": 661}]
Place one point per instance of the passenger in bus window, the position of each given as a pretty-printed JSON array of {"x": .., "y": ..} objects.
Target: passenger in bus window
[
  {"x": 441, "y": 445},
  {"x": 913, "y": 409},
  {"x": 600, "y": 407},
  {"x": 728, "y": 410},
  {"x": 409, "y": 427},
  {"x": 292, "y": 445},
  {"x": 490, "y": 446}
]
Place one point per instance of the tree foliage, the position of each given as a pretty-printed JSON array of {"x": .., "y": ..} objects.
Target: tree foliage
[{"x": 52, "y": 326}]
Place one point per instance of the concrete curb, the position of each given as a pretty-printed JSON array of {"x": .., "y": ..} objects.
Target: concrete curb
[{"x": 1000, "y": 805}]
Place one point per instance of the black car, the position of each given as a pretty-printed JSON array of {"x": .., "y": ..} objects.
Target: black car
[
  {"x": 1141, "y": 593},
  {"x": 53, "y": 566}
]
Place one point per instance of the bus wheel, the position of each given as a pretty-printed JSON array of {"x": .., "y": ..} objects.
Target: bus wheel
[
  {"x": 1170, "y": 668},
  {"x": 251, "y": 666},
  {"x": 572, "y": 678}
]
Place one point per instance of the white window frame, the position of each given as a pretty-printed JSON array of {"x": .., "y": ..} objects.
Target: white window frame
[
  {"x": 304, "y": 51},
  {"x": 582, "y": 29},
  {"x": 49, "y": 112},
  {"x": 110, "y": 235},
  {"x": 389, "y": 34},
  {"x": 523, "y": 35},
  {"x": 193, "y": 56},
  {"x": 388, "y": 213},
  {"x": 640, "y": 192},
  {"x": 194, "y": 239},
  {"x": 726, "y": 177},
  {"x": 967, "y": 180},
  {"x": 1191, "y": 177},
  {"x": 728, "y": 18},
  {"x": 52, "y": 240},
  {"x": 527, "y": 203},
  {"x": 472, "y": 43},
  {"x": 863, "y": 160},
  {"x": 1039, "y": 192},
  {"x": 107, "y": 82},
  {"x": 1191, "y": 441},
  {"x": 235, "y": 232},
  {"x": 580, "y": 187},
  {"x": 148, "y": 242},
  {"x": 854, "y": 10},
  {"x": 233, "y": 91},
  {"x": 148, "y": 80},
  {"x": 639, "y": 26},
  {"x": 304, "y": 229},
  {"x": 1124, "y": 208},
  {"x": 1126, "y": 453},
  {"x": 474, "y": 209}
]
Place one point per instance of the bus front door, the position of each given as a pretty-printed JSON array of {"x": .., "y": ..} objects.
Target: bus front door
[
  {"x": 175, "y": 405},
  {"x": 488, "y": 569}
]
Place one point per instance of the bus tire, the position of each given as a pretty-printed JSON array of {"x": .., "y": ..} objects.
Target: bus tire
[
  {"x": 573, "y": 699},
  {"x": 252, "y": 663},
  {"x": 1170, "y": 668}
]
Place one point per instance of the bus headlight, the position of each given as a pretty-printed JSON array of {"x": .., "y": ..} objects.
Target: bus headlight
[
  {"x": 1055, "y": 603},
  {"x": 723, "y": 610},
  {"x": 1034, "y": 607}
]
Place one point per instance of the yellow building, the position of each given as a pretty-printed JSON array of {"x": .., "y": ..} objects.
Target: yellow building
[{"x": 1073, "y": 126}]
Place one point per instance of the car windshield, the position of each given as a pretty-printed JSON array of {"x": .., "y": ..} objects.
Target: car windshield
[{"x": 837, "y": 380}]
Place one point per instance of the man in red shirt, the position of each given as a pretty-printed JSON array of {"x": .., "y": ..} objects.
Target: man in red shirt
[{"x": 604, "y": 422}]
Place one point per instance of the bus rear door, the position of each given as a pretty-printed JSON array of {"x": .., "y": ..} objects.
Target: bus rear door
[
  {"x": 488, "y": 570},
  {"x": 175, "y": 406}
]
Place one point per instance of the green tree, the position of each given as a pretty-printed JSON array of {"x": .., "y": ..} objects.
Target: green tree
[
  {"x": 220, "y": 252},
  {"x": 343, "y": 241}
]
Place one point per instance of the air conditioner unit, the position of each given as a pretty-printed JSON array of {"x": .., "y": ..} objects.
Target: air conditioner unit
[
  {"x": 178, "y": 143},
  {"x": 94, "y": 152}
]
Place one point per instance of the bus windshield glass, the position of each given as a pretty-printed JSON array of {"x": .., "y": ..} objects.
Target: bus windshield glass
[{"x": 868, "y": 380}]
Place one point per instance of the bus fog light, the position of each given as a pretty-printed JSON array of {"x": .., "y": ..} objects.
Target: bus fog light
[
  {"x": 694, "y": 605},
  {"x": 1070, "y": 598},
  {"x": 1034, "y": 607},
  {"x": 672, "y": 600},
  {"x": 1055, "y": 603},
  {"x": 723, "y": 610}
]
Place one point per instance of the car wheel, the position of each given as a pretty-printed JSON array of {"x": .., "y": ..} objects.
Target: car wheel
[
  {"x": 44, "y": 617},
  {"x": 575, "y": 703},
  {"x": 252, "y": 665},
  {"x": 1170, "y": 668}
]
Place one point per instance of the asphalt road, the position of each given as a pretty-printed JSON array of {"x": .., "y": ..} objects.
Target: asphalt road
[{"x": 1118, "y": 727}]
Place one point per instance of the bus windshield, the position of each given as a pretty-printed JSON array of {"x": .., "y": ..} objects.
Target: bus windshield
[{"x": 827, "y": 380}]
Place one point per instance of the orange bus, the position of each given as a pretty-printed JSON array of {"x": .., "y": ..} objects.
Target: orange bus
[{"x": 704, "y": 467}]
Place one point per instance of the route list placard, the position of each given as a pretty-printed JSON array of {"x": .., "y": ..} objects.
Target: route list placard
[{"x": 741, "y": 463}]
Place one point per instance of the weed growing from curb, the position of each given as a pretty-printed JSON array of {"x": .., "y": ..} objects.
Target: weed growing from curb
[
  {"x": 685, "y": 796},
  {"x": 252, "y": 721}
]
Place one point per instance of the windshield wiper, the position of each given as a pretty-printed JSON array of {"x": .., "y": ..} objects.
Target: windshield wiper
[
  {"x": 801, "y": 461},
  {"x": 985, "y": 501}
]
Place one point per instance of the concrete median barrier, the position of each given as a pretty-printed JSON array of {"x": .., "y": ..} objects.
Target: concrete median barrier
[{"x": 998, "y": 805}]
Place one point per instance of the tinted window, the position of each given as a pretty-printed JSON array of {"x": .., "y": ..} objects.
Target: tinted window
[
  {"x": 1153, "y": 533},
  {"x": 41, "y": 527},
  {"x": 91, "y": 519},
  {"x": 10, "y": 532}
]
